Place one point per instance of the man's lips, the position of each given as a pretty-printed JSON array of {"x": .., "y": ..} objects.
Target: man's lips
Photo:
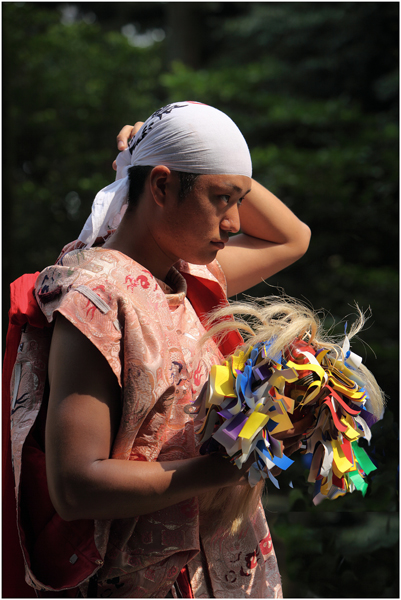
[{"x": 219, "y": 244}]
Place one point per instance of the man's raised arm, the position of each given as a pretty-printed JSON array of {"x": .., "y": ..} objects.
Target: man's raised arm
[{"x": 271, "y": 238}]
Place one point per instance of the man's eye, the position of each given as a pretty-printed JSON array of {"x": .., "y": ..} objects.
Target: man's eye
[{"x": 226, "y": 199}]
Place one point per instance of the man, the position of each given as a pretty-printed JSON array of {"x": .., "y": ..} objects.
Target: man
[{"x": 122, "y": 456}]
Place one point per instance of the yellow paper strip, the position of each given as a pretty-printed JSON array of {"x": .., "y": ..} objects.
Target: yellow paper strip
[
  {"x": 351, "y": 393},
  {"x": 224, "y": 382},
  {"x": 309, "y": 367},
  {"x": 283, "y": 423},
  {"x": 311, "y": 393},
  {"x": 255, "y": 422},
  {"x": 342, "y": 378},
  {"x": 352, "y": 375},
  {"x": 341, "y": 462},
  {"x": 325, "y": 486},
  {"x": 351, "y": 434},
  {"x": 238, "y": 362},
  {"x": 321, "y": 355}
]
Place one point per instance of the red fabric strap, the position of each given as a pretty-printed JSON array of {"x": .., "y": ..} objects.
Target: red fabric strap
[
  {"x": 206, "y": 295},
  {"x": 23, "y": 309}
]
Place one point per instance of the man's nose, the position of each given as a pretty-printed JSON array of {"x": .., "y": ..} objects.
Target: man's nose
[{"x": 231, "y": 221}]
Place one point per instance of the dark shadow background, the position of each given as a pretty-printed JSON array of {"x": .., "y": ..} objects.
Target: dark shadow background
[{"x": 314, "y": 89}]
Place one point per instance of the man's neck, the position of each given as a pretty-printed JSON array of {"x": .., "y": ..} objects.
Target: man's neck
[{"x": 134, "y": 239}]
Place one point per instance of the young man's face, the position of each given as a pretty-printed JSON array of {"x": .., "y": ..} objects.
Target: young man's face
[{"x": 198, "y": 226}]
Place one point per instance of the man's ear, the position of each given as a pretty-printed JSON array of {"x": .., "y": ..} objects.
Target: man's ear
[{"x": 160, "y": 181}]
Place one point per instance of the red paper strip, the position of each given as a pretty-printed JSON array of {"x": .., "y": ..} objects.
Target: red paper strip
[
  {"x": 343, "y": 404},
  {"x": 340, "y": 483},
  {"x": 346, "y": 448},
  {"x": 340, "y": 426}
]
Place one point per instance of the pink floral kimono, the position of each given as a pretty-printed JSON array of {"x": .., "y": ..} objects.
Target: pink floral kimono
[{"x": 148, "y": 332}]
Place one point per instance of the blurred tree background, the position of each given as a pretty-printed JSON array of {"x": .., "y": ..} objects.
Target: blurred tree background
[{"x": 314, "y": 88}]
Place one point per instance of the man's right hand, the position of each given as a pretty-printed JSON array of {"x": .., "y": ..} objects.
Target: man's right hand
[{"x": 126, "y": 134}]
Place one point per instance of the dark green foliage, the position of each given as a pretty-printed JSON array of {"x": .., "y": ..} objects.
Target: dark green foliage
[
  {"x": 314, "y": 88},
  {"x": 338, "y": 554},
  {"x": 68, "y": 90}
]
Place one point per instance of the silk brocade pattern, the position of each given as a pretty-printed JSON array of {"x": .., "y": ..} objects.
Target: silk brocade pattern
[{"x": 148, "y": 332}]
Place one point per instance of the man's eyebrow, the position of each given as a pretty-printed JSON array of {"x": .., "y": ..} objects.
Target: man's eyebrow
[{"x": 236, "y": 188}]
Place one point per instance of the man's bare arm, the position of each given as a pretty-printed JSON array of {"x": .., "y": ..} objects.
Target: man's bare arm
[
  {"x": 82, "y": 421},
  {"x": 271, "y": 238}
]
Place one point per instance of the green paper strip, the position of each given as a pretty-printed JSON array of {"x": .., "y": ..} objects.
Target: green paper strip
[
  {"x": 358, "y": 481},
  {"x": 363, "y": 459}
]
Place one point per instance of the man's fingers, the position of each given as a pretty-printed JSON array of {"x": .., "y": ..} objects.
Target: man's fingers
[
  {"x": 136, "y": 128},
  {"x": 126, "y": 133},
  {"x": 123, "y": 137}
]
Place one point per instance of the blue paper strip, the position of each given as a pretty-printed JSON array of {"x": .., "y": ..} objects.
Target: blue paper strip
[{"x": 282, "y": 463}]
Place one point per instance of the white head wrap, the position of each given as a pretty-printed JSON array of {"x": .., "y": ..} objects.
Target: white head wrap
[{"x": 184, "y": 136}]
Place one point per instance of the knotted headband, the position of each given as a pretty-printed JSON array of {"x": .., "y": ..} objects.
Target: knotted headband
[{"x": 183, "y": 136}]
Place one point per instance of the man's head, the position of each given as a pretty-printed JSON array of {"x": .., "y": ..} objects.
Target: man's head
[{"x": 188, "y": 138}]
